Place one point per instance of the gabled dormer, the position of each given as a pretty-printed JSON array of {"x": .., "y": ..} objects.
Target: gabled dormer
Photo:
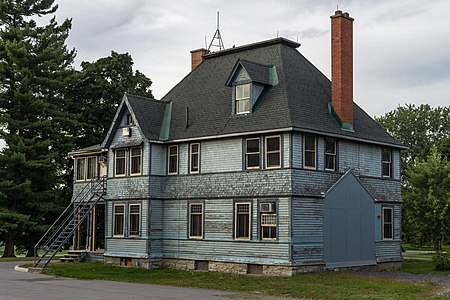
[{"x": 248, "y": 81}]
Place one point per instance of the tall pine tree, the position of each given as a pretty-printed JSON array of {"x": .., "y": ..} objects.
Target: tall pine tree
[{"x": 35, "y": 68}]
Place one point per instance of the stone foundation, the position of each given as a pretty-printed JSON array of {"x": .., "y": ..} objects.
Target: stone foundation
[
  {"x": 226, "y": 267},
  {"x": 133, "y": 262}
]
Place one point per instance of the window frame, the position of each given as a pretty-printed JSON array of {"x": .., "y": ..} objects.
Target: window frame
[
  {"x": 191, "y": 154},
  {"x": 246, "y": 153},
  {"x": 384, "y": 223},
  {"x": 305, "y": 150},
  {"x": 261, "y": 216},
  {"x": 140, "y": 161},
  {"x": 267, "y": 153},
  {"x": 83, "y": 173},
  {"x": 383, "y": 162},
  {"x": 129, "y": 120},
  {"x": 236, "y": 225},
  {"x": 114, "y": 220},
  {"x": 124, "y": 162},
  {"x": 237, "y": 100},
  {"x": 202, "y": 223},
  {"x": 169, "y": 156},
  {"x": 139, "y": 220},
  {"x": 328, "y": 154}
]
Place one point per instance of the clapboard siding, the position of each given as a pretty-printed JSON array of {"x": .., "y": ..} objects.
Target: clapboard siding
[
  {"x": 221, "y": 155},
  {"x": 248, "y": 252},
  {"x": 388, "y": 250},
  {"x": 158, "y": 159},
  {"x": 126, "y": 247},
  {"x": 307, "y": 230},
  {"x": 297, "y": 145}
]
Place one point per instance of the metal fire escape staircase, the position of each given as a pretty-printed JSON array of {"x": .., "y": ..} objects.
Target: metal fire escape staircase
[{"x": 69, "y": 220}]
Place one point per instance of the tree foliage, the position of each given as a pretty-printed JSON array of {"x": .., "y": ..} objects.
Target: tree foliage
[
  {"x": 426, "y": 197},
  {"x": 35, "y": 68},
  {"x": 97, "y": 91},
  {"x": 419, "y": 128}
]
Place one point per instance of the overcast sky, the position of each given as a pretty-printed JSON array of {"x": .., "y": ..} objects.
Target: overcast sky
[{"x": 401, "y": 48}]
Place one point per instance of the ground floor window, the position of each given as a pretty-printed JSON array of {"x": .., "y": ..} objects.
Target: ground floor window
[
  {"x": 242, "y": 220},
  {"x": 119, "y": 220},
  {"x": 134, "y": 215},
  {"x": 268, "y": 220},
  {"x": 388, "y": 224},
  {"x": 196, "y": 220}
]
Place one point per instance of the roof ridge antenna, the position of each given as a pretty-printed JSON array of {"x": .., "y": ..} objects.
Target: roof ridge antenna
[{"x": 217, "y": 37}]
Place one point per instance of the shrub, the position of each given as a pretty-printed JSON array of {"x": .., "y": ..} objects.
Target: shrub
[{"x": 441, "y": 262}]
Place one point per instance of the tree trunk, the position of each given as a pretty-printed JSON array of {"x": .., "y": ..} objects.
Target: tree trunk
[
  {"x": 437, "y": 245},
  {"x": 30, "y": 251},
  {"x": 9, "y": 246}
]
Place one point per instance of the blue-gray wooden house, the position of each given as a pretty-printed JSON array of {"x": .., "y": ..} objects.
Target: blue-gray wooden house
[{"x": 254, "y": 163}]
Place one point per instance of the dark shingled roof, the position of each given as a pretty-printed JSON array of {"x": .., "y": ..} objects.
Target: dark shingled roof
[
  {"x": 149, "y": 114},
  {"x": 257, "y": 72},
  {"x": 300, "y": 100}
]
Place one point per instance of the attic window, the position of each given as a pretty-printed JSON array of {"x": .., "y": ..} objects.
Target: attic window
[
  {"x": 129, "y": 120},
  {"x": 243, "y": 98}
]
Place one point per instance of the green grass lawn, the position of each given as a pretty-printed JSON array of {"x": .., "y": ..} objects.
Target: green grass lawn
[
  {"x": 424, "y": 255},
  {"x": 421, "y": 267},
  {"x": 326, "y": 285},
  {"x": 407, "y": 246}
]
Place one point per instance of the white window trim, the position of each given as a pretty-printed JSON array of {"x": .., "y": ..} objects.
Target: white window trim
[
  {"x": 114, "y": 221},
  {"x": 190, "y": 158},
  {"x": 196, "y": 237},
  {"x": 131, "y": 161},
  {"x": 383, "y": 223},
  {"x": 168, "y": 160},
  {"x": 249, "y": 223},
  {"x": 266, "y": 153},
  {"x": 129, "y": 220},
  {"x": 386, "y": 162},
  {"x": 86, "y": 163},
  {"x": 331, "y": 154},
  {"x": 115, "y": 163},
  {"x": 315, "y": 152},
  {"x": 241, "y": 99},
  {"x": 249, "y": 153}
]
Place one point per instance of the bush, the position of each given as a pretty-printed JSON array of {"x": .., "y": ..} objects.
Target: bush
[{"x": 441, "y": 262}]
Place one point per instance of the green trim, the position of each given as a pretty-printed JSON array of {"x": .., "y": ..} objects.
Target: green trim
[
  {"x": 273, "y": 76},
  {"x": 165, "y": 128},
  {"x": 344, "y": 125}
]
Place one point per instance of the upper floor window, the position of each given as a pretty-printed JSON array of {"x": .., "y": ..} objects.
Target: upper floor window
[
  {"x": 195, "y": 158},
  {"x": 120, "y": 162},
  {"x": 173, "y": 160},
  {"x": 387, "y": 162},
  {"x": 252, "y": 158},
  {"x": 86, "y": 168},
  {"x": 136, "y": 161},
  {"x": 273, "y": 152},
  {"x": 330, "y": 154},
  {"x": 243, "y": 98},
  {"x": 309, "y": 151},
  {"x": 196, "y": 220},
  {"x": 387, "y": 220},
  {"x": 81, "y": 167},
  {"x": 242, "y": 220}
]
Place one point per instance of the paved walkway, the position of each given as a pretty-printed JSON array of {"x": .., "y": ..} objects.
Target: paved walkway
[{"x": 19, "y": 285}]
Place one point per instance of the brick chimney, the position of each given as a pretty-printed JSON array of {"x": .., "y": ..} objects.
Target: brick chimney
[
  {"x": 197, "y": 57},
  {"x": 342, "y": 67}
]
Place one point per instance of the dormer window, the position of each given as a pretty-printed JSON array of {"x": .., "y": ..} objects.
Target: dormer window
[
  {"x": 129, "y": 119},
  {"x": 243, "y": 98}
]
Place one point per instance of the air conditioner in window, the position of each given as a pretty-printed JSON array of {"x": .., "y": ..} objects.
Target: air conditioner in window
[
  {"x": 267, "y": 207},
  {"x": 126, "y": 131}
]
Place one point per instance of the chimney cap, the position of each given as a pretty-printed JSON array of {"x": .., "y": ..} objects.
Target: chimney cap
[{"x": 338, "y": 13}]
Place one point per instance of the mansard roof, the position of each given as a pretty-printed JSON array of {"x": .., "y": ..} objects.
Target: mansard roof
[{"x": 298, "y": 102}]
